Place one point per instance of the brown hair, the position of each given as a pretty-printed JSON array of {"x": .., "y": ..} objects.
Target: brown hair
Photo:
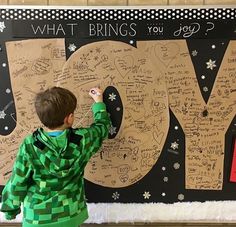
[{"x": 53, "y": 105}]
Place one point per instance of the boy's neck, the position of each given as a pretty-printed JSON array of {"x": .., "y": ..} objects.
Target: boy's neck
[{"x": 61, "y": 128}]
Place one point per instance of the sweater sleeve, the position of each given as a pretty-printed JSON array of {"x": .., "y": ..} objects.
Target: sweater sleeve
[
  {"x": 97, "y": 132},
  {"x": 15, "y": 190}
]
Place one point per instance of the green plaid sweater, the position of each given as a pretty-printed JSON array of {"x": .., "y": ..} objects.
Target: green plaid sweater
[{"x": 48, "y": 174}]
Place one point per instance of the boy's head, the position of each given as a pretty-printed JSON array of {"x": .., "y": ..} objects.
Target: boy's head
[{"x": 54, "y": 105}]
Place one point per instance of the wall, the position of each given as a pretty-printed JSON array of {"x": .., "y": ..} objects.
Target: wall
[
  {"x": 117, "y": 2},
  {"x": 110, "y": 216}
]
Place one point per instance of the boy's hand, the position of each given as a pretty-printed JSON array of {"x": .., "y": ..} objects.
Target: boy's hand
[{"x": 96, "y": 94}]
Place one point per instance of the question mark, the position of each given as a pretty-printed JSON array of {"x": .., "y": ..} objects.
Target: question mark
[{"x": 211, "y": 27}]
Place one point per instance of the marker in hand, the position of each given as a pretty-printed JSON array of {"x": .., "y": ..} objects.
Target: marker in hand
[{"x": 95, "y": 92}]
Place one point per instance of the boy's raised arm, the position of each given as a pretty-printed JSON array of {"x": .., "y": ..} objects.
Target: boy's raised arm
[
  {"x": 98, "y": 131},
  {"x": 101, "y": 118}
]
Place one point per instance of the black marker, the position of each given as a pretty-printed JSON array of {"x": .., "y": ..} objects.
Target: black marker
[{"x": 95, "y": 93}]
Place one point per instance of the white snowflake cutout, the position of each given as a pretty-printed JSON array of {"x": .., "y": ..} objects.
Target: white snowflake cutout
[
  {"x": 211, "y": 64},
  {"x": 115, "y": 195},
  {"x": 146, "y": 195},
  {"x": 176, "y": 165},
  {"x": 72, "y": 47},
  {"x": 112, "y": 130},
  {"x": 194, "y": 53},
  {"x": 180, "y": 197},
  {"x": 2, "y": 114},
  {"x": 165, "y": 179},
  {"x": 174, "y": 145},
  {"x": 2, "y": 26},
  {"x": 112, "y": 96},
  {"x": 205, "y": 89}
]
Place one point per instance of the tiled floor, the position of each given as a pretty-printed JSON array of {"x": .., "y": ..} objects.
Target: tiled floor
[{"x": 146, "y": 224}]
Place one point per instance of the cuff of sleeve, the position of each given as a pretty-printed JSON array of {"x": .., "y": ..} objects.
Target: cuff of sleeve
[
  {"x": 10, "y": 216},
  {"x": 98, "y": 106}
]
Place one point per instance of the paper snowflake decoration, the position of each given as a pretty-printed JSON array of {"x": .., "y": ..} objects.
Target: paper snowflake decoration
[
  {"x": 2, "y": 114},
  {"x": 115, "y": 195},
  {"x": 72, "y": 47},
  {"x": 112, "y": 130},
  {"x": 174, "y": 145},
  {"x": 165, "y": 179},
  {"x": 194, "y": 53},
  {"x": 211, "y": 64},
  {"x": 180, "y": 197},
  {"x": 2, "y": 26},
  {"x": 146, "y": 195},
  {"x": 205, "y": 89},
  {"x": 176, "y": 165},
  {"x": 112, "y": 96}
]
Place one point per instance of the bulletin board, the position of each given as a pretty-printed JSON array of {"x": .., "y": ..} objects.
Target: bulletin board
[{"x": 169, "y": 81}]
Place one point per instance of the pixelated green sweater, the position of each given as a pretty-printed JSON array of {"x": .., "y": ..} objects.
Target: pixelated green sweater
[{"x": 48, "y": 174}]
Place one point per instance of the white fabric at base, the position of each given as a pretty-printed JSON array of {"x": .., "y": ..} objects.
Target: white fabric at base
[{"x": 210, "y": 211}]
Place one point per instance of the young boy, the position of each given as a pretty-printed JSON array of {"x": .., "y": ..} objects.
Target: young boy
[{"x": 48, "y": 172}]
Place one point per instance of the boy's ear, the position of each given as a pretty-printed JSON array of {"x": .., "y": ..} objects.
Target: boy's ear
[{"x": 69, "y": 119}]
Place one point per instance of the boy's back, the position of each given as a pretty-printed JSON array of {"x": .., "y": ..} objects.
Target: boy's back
[{"x": 48, "y": 173}]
